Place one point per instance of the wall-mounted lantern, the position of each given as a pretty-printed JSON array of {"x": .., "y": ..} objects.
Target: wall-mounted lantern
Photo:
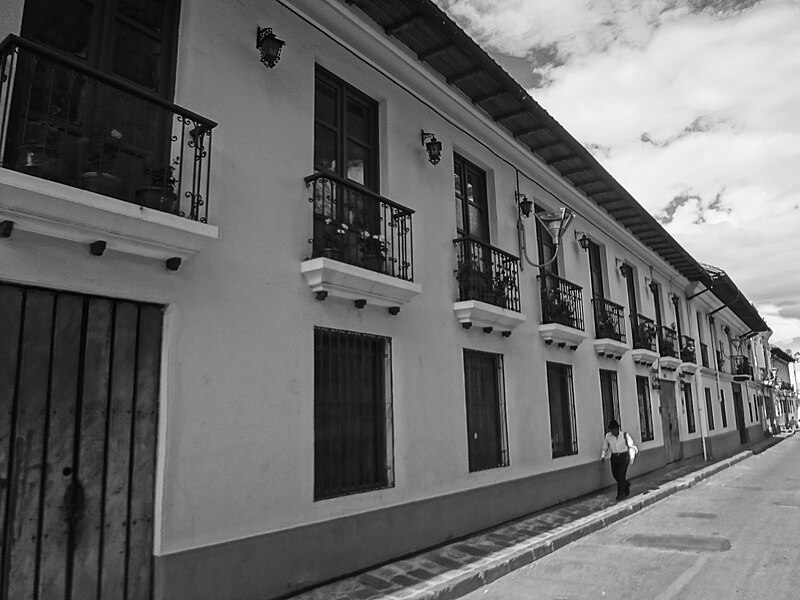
[
  {"x": 525, "y": 206},
  {"x": 432, "y": 146},
  {"x": 582, "y": 239},
  {"x": 653, "y": 287},
  {"x": 269, "y": 46}
]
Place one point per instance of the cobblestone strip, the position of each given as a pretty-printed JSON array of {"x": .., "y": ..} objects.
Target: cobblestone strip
[{"x": 457, "y": 569}]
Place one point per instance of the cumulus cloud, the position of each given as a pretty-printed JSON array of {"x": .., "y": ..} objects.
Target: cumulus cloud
[{"x": 690, "y": 104}]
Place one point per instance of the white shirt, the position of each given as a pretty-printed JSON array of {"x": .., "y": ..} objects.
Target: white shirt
[{"x": 613, "y": 444}]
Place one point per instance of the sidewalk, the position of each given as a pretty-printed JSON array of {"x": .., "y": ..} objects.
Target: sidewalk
[{"x": 462, "y": 566}]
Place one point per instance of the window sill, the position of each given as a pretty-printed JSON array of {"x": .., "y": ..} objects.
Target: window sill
[
  {"x": 60, "y": 211},
  {"x": 487, "y": 316},
  {"x": 561, "y": 335},
  {"x": 644, "y": 357},
  {"x": 606, "y": 347},
  {"x": 328, "y": 277}
]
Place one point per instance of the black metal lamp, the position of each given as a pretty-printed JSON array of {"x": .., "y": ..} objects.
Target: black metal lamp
[
  {"x": 556, "y": 222},
  {"x": 653, "y": 287},
  {"x": 432, "y": 146},
  {"x": 583, "y": 240},
  {"x": 525, "y": 205},
  {"x": 269, "y": 46}
]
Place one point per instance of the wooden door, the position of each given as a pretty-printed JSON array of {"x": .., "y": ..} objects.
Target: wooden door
[
  {"x": 669, "y": 422},
  {"x": 79, "y": 379},
  {"x": 738, "y": 410}
]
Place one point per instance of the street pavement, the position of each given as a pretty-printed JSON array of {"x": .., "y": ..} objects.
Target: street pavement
[
  {"x": 463, "y": 566},
  {"x": 735, "y": 535}
]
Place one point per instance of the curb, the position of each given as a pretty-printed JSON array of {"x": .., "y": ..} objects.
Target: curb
[{"x": 483, "y": 573}]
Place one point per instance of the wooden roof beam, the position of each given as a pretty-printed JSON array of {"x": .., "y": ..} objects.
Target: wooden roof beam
[
  {"x": 508, "y": 115},
  {"x": 496, "y": 93},
  {"x": 528, "y": 131},
  {"x": 428, "y": 54},
  {"x": 396, "y": 28},
  {"x": 454, "y": 79}
]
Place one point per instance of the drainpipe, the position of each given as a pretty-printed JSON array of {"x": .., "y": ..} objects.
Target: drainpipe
[{"x": 702, "y": 412}]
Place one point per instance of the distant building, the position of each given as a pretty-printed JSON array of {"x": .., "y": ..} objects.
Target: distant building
[
  {"x": 266, "y": 326},
  {"x": 784, "y": 392}
]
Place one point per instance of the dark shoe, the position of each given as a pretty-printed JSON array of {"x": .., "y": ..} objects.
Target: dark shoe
[{"x": 627, "y": 488}]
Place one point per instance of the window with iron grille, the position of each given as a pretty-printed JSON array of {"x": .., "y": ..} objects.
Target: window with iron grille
[
  {"x": 722, "y": 408},
  {"x": 645, "y": 412},
  {"x": 563, "y": 430},
  {"x": 352, "y": 413},
  {"x": 487, "y": 439},
  {"x": 689, "y": 402},
  {"x": 609, "y": 395},
  {"x": 709, "y": 409}
]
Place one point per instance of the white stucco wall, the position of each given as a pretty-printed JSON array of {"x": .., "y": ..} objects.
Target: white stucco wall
[{"x": 236, "y": 445}]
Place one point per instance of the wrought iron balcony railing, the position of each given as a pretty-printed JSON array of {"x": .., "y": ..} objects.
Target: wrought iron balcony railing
[
  {"x": 609, "y": 320},
  {"x": 688, "y": 353},
  {"x": 668, "y": 342},
  {"x": 786, "y": 386},
  {"x": 562, "y": 301},
  {"x": 64, "y": 121},
  {"x": 644, "y": 333},
  {"x": 740, "y": 365},
  {"x": 704, "y": 355},
  {"x": 354, "y": 225},
  {"x": 487, "y": 274}
]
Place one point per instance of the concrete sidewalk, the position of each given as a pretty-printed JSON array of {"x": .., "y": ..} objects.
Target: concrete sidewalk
[{"x": 462, "y": 566}]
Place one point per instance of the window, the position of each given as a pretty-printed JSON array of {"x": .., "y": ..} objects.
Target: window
[
  {"x": 486, "y": 414},
  {"x": 563, "y": 430},
  {"x": 609, "y": 395},
  {"x": 345, "y": 131},
  {"x": 645, "y": 412},
  {"x": 131, "y": 40},
  {"x": 472, "y": 211},
  {"x": 722, "y": 408},
  {"x": 596, "y": 270},
  {"x": 689, "y": 405},
  {"x": 750, "y": 408},
  {"x": 709, "y": 409},
  {"x": 352, "y": 413},
  {"x": 547, "y": 248}
]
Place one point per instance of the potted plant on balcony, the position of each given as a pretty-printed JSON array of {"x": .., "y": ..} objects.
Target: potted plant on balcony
[
  {"x": 557, "y": 308},
  {"x": 332, "y": 239},
  {"x": 499, "y": 289},
  {"x": 646, "y": 335},
  {"x": 374, "y": 249},
  {"x": 98, "y": 176},
  {"x": 160, "y": 194},
  {"x": 606, "y": 326}
]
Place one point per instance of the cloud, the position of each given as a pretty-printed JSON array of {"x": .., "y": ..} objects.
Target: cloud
[{"x": 689, "y": 104}]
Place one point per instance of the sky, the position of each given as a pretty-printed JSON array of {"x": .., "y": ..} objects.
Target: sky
[{"x": 692, "y": 105}]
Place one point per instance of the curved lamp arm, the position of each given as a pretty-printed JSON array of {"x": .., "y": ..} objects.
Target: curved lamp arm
[{"x": 523, "y": 245}]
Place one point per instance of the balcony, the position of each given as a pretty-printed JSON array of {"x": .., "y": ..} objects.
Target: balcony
[
  {"x": 361, "y": 247},
  {"x": 562, "y": 311},
  {"x": 741, "y": 368},
  {"x": 786, "y": 387},
  {"x": 609, "y": 326},
  {"x": 688, "y": 355},
  {"x": 644, "y": 330},
  {"x": 488, "y": 287},
  {"x": 96, "y": 160},
  {"x": 668, "y": 348}
]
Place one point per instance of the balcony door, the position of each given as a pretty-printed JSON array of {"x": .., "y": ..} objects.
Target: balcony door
[
  {"x": 65, "y": 124},
  {"x": 596, "y": 271}
]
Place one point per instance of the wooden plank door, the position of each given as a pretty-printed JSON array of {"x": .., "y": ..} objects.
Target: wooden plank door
[
  {"x": 669, "y": 422},
  {"x": 738, "y": 410},
  {"x": 78, "y": 394}
]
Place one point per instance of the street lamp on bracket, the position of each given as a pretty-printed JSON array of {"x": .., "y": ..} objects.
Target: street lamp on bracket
[{"x": 555, "y": 222}]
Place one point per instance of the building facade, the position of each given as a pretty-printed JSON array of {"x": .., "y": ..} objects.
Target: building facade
[{"x": 271, "y": 325}]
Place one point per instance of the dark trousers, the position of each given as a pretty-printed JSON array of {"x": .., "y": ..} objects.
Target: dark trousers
[{"x": 619, "y": 469}]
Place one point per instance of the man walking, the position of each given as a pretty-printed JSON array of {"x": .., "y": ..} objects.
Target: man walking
[{"x": 617, "y": 445}]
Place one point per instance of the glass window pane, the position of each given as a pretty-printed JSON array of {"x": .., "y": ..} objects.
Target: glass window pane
[
  {"x": 62, "y": 24},
  {"x": 358, "y": 121},
  {"x": 325, "y": 104},
  {"x": 357, "y": 163},
  {"x": 324, "y": 148},
  {"x": 148, "y": 13},
  {"x": 136, "y": 57},
  {"x": 476, "y": 222}
]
